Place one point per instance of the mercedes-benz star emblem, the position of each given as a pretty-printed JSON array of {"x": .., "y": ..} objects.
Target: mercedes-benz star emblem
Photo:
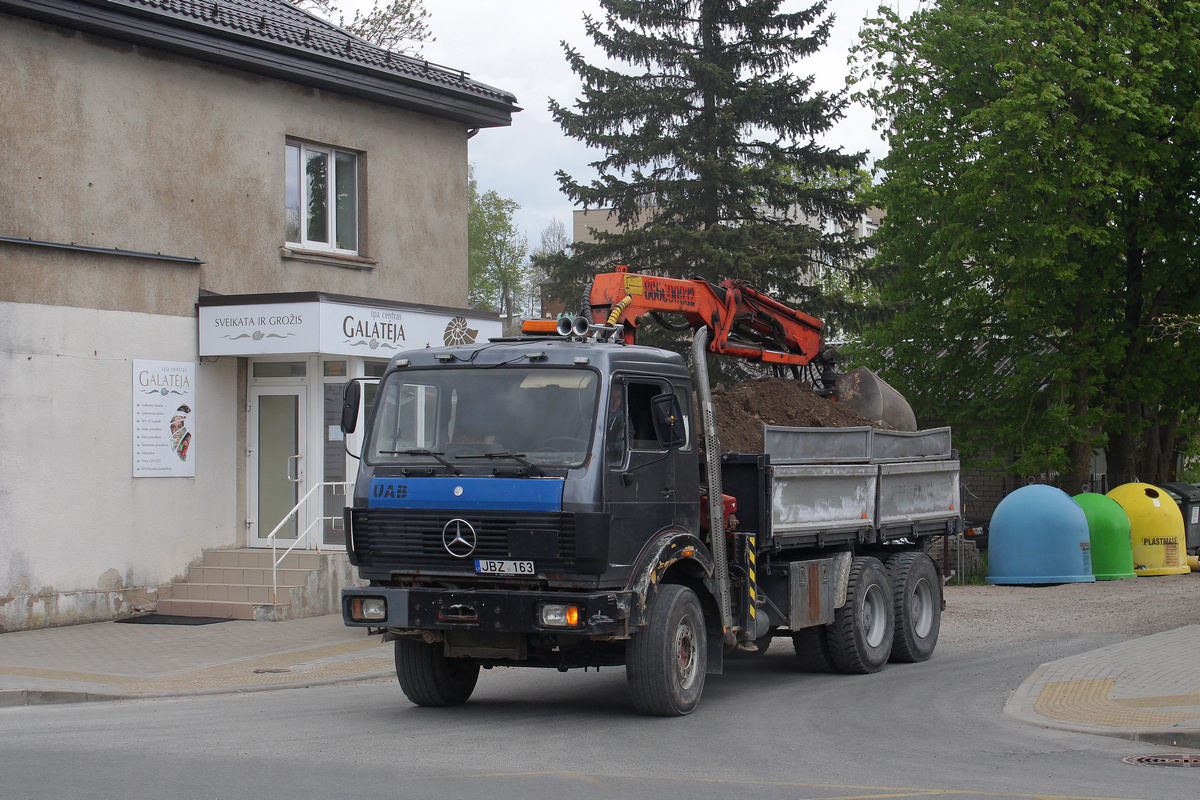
[{"x": 458, "y": 537}]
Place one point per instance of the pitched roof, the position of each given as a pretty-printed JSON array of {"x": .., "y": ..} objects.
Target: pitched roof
[{"x": 275, "y": 38}]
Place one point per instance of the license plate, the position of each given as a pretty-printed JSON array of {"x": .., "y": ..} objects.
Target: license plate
[{"x": 485, "y": 566}]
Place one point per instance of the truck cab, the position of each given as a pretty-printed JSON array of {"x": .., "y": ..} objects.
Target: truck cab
[{"x": 515, "y": 500}]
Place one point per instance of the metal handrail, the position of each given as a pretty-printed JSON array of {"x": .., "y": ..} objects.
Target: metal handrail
[{"x": 299, "y": 538}]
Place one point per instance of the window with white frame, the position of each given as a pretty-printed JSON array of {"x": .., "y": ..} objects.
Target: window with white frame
[{"x": 321, "y": 198}]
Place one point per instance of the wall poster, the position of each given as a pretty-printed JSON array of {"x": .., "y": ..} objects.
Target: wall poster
[{"x": 164, "y": 419}]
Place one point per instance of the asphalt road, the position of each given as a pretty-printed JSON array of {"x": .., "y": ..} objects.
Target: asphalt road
[{"x": 763, "y": 730}]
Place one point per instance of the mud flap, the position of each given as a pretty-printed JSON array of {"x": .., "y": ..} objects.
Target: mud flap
[{"x": 716, "y": 653}]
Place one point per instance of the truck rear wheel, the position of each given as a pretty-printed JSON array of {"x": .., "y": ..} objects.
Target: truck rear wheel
[
  {"x": 860, "y": 636},
  {"x": 428, "y": 678},
  {"x": 667, "y": 659},
  {"x": 917, "y": 598},
  {"x": 812, "y": 648}
]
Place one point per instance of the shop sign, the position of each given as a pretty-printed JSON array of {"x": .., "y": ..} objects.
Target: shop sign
[
  {"x": 164, "y": 419},
  {"x": 259, "y": 329},
  {"x": 383, "y": 332},
  {"x": 334, "y": 328}
]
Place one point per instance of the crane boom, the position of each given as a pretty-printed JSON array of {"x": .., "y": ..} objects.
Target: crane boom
[{"x": 743, "y": 322}]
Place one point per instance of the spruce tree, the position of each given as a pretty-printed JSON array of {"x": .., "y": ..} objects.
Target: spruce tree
[{"x": 710, "y": 164}]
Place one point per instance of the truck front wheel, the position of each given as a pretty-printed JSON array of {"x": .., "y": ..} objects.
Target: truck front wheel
[
  {"x": 428, "y": 678},
  {"x": 667, "y": 659},
  {"x": 860, "y": 636}
]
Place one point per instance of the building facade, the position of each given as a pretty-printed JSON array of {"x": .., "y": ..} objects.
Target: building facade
[{"x": 212, "y": 215}]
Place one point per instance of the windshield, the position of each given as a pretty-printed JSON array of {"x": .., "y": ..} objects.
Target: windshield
[{"x": 464, "y": 417}]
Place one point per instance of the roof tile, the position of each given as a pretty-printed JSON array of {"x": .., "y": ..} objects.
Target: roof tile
[{"x": 279, "y": 23}]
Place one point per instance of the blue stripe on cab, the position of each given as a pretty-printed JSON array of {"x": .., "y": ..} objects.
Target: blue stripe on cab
[{"x": 468, "y": 494}]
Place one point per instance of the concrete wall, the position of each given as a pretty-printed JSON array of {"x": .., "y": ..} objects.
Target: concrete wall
[
  {"x": 115, "y": 146},
  {"x": 80, "y": 537}
]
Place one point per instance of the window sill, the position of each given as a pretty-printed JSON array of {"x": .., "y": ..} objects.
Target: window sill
[{"x": 329, "y": 259}]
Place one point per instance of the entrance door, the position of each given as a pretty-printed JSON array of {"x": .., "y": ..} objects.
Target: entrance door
[{"x": 277, "y": 441}]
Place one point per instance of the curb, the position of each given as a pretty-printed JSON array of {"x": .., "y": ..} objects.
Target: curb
[
  {"x": 16, "y": 698},
  {"x": 1020, "y": 707},
  {"x": 1189, "y": 739}
]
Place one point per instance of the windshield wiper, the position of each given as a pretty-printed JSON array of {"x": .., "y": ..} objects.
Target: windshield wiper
[
  {"x": 420, "y": 452},
  {"x": 534, "y": 469}
]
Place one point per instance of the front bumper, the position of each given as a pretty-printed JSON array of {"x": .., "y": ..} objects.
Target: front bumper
[{"x": 488, "y": 610}]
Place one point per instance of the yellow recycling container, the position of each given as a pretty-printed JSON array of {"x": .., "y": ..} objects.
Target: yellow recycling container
[{"x": 1155, "y": 529}]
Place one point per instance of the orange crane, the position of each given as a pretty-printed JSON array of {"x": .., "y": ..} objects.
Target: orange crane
[{"x": 743, "y": 322}]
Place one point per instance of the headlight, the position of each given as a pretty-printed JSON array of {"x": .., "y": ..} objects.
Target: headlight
[
  {"x": 368, "y": 608},
  {"x": 558, "y": 615}
]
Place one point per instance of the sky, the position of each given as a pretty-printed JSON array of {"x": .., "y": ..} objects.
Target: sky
[{"x": 515, "y": 45}]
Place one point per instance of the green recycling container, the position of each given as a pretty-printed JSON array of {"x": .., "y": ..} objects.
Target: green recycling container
[
  {"x": 1156, "y": 529},
  {"x": 1108, "y": 529}
]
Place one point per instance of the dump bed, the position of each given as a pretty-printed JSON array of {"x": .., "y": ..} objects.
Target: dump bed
[{"x": 830, "y": 485}]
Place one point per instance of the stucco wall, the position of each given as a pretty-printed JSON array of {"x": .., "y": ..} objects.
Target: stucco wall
[
  {"x": 80, "y": 537},
  {"x": 109, "y": 145},
  {"x": 115, "y": 146}
]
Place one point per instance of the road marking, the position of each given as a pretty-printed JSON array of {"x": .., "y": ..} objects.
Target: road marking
[
  {"x": 579, "y": 776},
  {"x": 922, "y": 793},
  {"x": 877, "y": 792}
]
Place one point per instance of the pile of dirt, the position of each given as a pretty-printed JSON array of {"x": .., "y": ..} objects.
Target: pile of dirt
[{"x": 743, "y": 409}]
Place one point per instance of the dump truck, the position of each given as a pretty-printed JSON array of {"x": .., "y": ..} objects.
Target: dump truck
[{"x": 561, "y": 500}]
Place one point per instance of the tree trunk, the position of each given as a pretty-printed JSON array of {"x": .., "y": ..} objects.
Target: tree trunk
[
  {"x": 1077, "y": 478},
  {"x": 1146, "y": 454},
  {"x": 1157, "y": 456},
  {"x": 1122, "y": 455}
]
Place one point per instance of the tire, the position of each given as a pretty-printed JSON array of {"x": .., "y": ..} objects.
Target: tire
[
  {"x": 666, "y": 660},
  {"x": 917, "y": 606},
  {"x": 860, "y": 636},
  {"x": 812, "y": 648},
  {"x": 428, "y": 678}
]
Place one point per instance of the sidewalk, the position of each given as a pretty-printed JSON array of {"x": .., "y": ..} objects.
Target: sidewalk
[
  {"x": 1145, "y": 689},
  {"x": 109, "y": 660}
]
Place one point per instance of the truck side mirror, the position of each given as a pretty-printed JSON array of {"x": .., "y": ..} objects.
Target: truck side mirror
[
  {"x": 668, "y": 421},
  {"x": 351, "y": 398}
]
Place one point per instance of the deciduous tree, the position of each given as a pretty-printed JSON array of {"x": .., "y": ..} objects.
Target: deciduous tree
[
  {"x": 497, "y": 253},
  {"x": 1043, "y": 198},
  {"x": 396, "y": 25}
]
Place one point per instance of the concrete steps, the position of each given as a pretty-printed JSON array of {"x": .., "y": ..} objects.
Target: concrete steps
[
  {"x": 270, "y": 612},
  {"x": 237, "y": 584}
]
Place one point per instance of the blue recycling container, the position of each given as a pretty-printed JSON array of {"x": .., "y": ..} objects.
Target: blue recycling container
[{"x": 1038, "y": 534}]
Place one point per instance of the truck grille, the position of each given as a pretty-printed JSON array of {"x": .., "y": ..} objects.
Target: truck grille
[{"x": 400, "y": 539}]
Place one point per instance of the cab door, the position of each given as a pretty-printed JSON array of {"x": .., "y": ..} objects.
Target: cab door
[{"x": 642, "y": 488}]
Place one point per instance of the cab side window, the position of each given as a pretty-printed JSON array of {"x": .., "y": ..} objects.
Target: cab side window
[
  {"x": 629, "y": 424},
  {"x": 641, "y": 414}
]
